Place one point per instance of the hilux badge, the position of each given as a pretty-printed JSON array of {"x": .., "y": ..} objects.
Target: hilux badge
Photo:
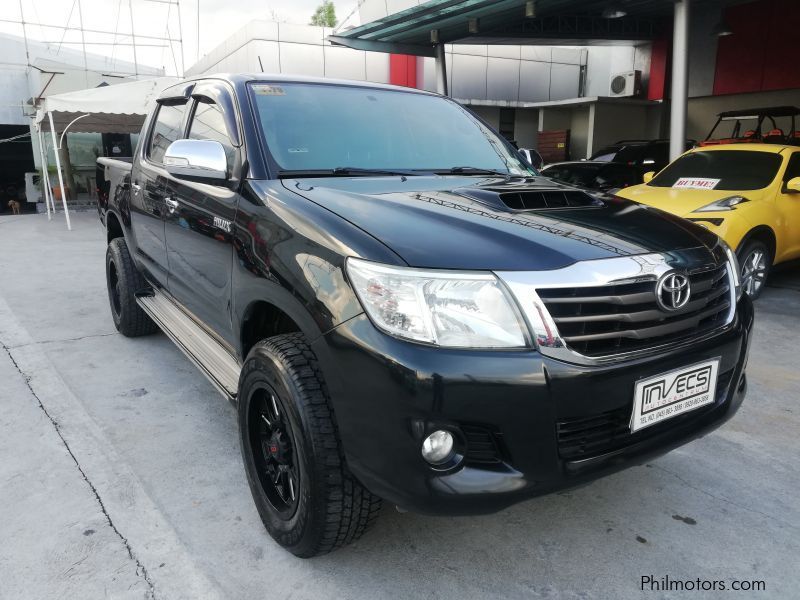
[
  {"x": 673, "y": 291},
  {"x": 223, "y": 224}
]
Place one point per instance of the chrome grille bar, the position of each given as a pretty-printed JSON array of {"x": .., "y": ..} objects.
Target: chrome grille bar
[{"x": 600, "y": 311}]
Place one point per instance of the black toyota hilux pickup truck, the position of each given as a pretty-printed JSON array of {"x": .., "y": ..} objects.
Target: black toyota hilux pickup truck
[{"x": 401, "y": 308}]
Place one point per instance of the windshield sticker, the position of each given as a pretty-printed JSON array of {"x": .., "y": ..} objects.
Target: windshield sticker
[
  {"x": 269, "y": 90},
  {"x": 696, "y": 183}
]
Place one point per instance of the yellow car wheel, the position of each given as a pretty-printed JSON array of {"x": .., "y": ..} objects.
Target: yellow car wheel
[{"x": 755, "y": 261}]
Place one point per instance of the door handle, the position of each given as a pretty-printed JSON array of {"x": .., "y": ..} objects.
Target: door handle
[{"x": 172, "y": 204}]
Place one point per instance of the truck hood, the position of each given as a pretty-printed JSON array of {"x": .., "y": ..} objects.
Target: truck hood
[
  {"x": 680, "y": 202},
  {"x": 466, "y": 223}
]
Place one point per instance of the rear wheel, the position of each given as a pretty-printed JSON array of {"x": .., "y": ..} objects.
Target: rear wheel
[
  {"x": 306, "y": 496},
  {"x": 755, "y": 261},
  {"x": 124, "y": 280}
]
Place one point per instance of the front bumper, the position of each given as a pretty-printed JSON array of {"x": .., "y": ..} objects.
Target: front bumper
[{"x": 389, "y": 394}]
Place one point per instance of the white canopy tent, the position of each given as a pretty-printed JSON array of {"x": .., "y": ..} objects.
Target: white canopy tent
[{"x": 120, "y": 108}]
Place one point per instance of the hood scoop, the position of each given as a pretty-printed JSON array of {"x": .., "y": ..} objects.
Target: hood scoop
[{"x": 531, "y": 199}]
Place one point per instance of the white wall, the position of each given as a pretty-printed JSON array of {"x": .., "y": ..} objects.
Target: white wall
[
  {"x": 605, "y": 61},
  {"x": 18, "y": 82},
  {"x": 270, "y": 47},
  {"x": 475, "y": 72}
]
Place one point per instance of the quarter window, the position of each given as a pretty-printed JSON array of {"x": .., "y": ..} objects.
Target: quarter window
[
  {"x": 793, "y": 168},
  {"x": 167, "y": 129}
]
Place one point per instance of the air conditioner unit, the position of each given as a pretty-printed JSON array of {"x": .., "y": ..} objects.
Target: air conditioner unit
[{"x": 626, "y": 84}]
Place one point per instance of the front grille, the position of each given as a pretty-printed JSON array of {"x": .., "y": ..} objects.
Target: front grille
[
  {"x": 612, "y": 319},
  {"x": 482, "y": 445},
  {"x": 585, "y": 437}
]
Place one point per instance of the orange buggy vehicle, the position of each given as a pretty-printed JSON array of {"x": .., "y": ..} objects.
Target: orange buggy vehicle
[{"x": 757, "y": 125}]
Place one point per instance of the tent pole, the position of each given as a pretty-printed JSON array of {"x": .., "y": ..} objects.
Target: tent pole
[
  {"x": 58, "y": 168},
  {"x": 49, "y": 184},
  {"x": 43, "y": 160},
  {"x": 47, "y": 175}
]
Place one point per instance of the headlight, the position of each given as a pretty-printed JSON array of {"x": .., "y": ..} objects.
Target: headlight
[
  {"x": 444, "y": 308},
  {"x": 729, "y": 203},
  {"x": 733, "y": 261}
]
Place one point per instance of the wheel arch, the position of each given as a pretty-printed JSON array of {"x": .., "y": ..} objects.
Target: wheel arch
[
  {"x": 763, "y": 233},
  {"x": 114, "y": 227},
  {"x": 263, "y": 318}
]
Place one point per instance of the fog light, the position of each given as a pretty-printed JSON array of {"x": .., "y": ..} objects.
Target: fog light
[{"x": 438, "y": 447}]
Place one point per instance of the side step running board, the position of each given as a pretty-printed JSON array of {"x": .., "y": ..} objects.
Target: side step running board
[{"x": 213, "y": 359}]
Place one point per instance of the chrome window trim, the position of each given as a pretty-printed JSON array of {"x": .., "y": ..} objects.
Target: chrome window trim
[{"x": 600, "y": 272}]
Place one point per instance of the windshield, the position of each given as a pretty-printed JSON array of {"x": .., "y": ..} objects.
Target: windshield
[
  {"x": 606, "y": 154},
  {"x": 724, "y": 169},
  {"x": 311, "y": 127}
]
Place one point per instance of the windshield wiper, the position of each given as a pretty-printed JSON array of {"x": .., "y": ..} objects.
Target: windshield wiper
[
  {"x": 360, "y": 171},
  {"x": 343, "y": 172},
  {"x": 475, "y": 171}
]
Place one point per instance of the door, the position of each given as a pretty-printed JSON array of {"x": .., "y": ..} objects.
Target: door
[
  {"x": 788, "y": 205},
  {"x": 199, "y": 226},
  {"x": 148, "y": 187}
]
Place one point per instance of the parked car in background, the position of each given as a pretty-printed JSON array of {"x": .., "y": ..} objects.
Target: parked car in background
[
  {"x": 747, "y": 194},
  {"x": 400, "y": 308},
  {"x": 645, "y": 155},
  {"x": 595, "y": 175}
]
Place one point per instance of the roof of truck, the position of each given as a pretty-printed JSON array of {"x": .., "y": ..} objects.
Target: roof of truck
[{"x": 239, "y": 78}]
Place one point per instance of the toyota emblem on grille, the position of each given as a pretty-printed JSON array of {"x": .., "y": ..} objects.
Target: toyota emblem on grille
[{"x": 673, "y": 291}]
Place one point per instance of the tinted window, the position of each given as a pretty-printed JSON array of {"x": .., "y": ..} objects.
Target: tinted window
[
  {"x": 606, "y": 154},
  {"x": 793, "y": 168},
  {"x": 631, "y": 155},
  {"x": 616, "y": 176},
  {"x": 166, "y": 130},
  {"x": 736, "y": 169},
  {"x": 208, "y": 123},
  {"x": 574, "y": 174},
  {"x": 322, "y": 126}
]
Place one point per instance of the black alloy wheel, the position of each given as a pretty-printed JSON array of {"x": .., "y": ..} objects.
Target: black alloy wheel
[
  {"x": 274, "y": 450},
  {"x": 123, "y": 280},
  {"x": 306, "y": 496}
]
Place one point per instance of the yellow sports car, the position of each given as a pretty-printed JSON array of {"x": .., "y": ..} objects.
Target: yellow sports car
[{"x": 748, "y": 194}]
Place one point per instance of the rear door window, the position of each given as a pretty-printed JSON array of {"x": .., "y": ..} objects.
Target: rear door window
[{"x": 167, "y": 128}]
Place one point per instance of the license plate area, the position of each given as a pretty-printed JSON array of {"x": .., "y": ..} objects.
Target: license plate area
[{"x": 674, "y": 393}]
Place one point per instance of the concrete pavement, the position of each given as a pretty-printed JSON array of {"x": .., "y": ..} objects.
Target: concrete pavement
[{"x": 126, "y": 439}]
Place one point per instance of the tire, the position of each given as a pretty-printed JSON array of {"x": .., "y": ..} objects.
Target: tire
[
  {"x": 306, "y": 496},
  {"x": 755, "y": 262},
  {"x": 124, "y": 280}
]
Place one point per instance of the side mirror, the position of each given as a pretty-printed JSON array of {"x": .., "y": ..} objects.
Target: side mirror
[
  {"x": 793, "y": 185},
  {"x": 197, "y": 159},
  {"x": 648, "y": 177}
]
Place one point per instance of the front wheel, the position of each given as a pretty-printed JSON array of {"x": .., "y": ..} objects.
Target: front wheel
[
  {"x": 306, "y": 496},
  {"x": 755, "y": 261}
]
